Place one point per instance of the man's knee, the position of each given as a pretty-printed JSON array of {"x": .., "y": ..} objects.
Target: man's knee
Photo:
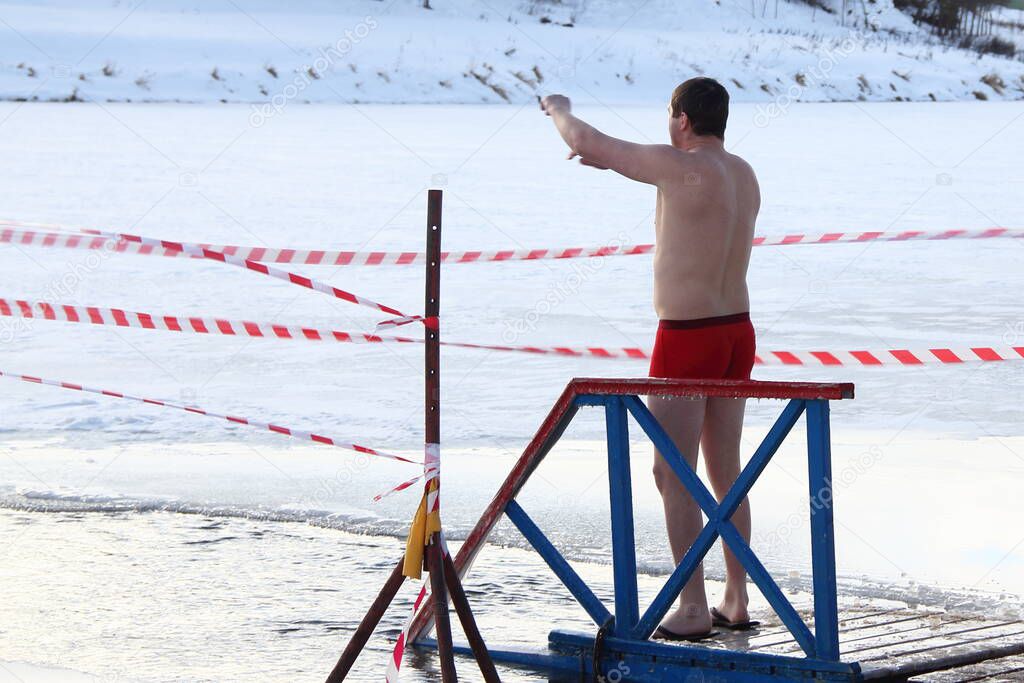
[
  {"x": 665, "y": 477},
  {"x": 723, "y": 468},
  {"x": 661, "y": 472}
]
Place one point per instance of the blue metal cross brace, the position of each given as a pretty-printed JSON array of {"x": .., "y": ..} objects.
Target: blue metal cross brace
[
  {"x": 822, "y": 644},
  {"x": 629, "y": 628}
]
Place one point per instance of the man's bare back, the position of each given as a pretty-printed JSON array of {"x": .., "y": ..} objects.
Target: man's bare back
[
  {"x": 704, "y": 229},
  {"x": 708, "y": 200}
]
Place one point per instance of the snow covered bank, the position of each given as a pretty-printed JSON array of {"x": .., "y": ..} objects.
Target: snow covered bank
[
  {"x": 474, "y": 51},
  {"x": 20, "y": 672},
  {"x": 928, "y": 546}
]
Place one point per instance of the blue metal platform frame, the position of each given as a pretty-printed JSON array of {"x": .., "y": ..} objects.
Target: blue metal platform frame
[{"x": 624, "y": 651}]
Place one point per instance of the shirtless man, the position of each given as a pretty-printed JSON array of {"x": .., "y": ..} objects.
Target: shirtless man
[{"x": 708, "y": 200}]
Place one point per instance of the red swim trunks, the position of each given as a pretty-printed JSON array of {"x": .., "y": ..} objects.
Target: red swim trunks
[{"x": 704, "y": 348}]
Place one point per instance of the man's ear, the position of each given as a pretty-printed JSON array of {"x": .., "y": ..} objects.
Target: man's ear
[{"x": 684, "y": 122}]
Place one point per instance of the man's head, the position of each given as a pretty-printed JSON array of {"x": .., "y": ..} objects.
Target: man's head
[{"x": 699, "y": 107}]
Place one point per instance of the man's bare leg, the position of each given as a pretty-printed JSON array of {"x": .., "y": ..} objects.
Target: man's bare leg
[
  {"x": 720, "y": 441},
  {"x": 682, "y": 420}
]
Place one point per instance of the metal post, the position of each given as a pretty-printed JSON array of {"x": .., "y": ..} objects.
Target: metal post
[
  {"x": 432, "y": 309},
  {"x": 476, "y": 641},
  {"x": 627, "y": 609},
  {"x": 441, "y": 569},
  {"x": 432, "y": 431},
  {"x": 368, "y": 624},
  {"x": 442, "y": 620},
  {"x": 443, "y": 575},
  {"x": 823, "y": 550}
]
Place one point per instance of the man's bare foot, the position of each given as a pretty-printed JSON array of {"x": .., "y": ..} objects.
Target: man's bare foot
[
  {"x": 734, "y": 608},
  {"x": 688, "y": 621}
]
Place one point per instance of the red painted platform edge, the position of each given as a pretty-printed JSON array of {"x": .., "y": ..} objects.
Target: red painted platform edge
[
  {"x": 713, "y": 388},
  {"x": 565, "y": 408}
]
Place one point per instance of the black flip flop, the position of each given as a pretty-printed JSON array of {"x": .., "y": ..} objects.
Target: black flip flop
[
  {"x": 662, "y": 633},
  {"x": 719, "y": 619}
]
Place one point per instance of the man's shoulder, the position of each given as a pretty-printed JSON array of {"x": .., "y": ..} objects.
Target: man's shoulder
[
  {"x": 665, "y": 152},
  {"x": 741, "y": 163},
  {"x": 665, "y": 163}
]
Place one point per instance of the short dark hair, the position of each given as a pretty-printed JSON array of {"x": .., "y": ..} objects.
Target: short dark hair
[{"x": 705, "y": 102}]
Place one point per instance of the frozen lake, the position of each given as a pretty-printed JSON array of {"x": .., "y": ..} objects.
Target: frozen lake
[{"x": 355, "y": 178}]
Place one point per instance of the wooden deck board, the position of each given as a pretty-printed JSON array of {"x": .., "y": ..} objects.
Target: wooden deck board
[
  {"x": 1006, "y": 669},
  {"x": 994, "y": 633},
  {"x": 906, "y": 642},
  {"x": 951, "y": 662}
]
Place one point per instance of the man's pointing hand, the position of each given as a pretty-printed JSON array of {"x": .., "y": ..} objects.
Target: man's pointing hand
[{"x": 551, "y": 103}]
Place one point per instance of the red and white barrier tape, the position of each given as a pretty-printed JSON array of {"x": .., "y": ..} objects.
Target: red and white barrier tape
[
  {"x": 401, "y": 487},
  {"x": 915, "y": 356},
  {"x": 395, "y": 662},
  {"x": 262, "y": 269},
  {"x": 17, "y": 233},
  {"x": 431, "y": 470},
  {"x": 885, "y": 236},
  {"x": 277, "y": 429},
  {"x": 117, "y": 317}
]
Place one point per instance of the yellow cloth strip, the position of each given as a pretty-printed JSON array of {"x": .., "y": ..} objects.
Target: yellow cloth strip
[{"x": 423, "y": 527}]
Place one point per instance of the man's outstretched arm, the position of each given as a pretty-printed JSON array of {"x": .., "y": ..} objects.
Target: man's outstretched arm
[{"x": 645, "y": 163}]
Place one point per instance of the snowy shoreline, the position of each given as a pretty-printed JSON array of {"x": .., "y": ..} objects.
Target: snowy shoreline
[
  {"x": 235, "y": 482},
  {"x": 24, "y": 672},
  {"x": 509, "y": 52}
]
